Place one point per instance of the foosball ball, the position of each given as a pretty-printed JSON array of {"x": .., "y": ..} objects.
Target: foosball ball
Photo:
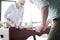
[
  {"x": 24, "y": 33},
  {"x": 1, "y": 24}
]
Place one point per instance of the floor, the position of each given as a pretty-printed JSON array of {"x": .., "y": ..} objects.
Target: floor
[{"x": 43, "y": 37}]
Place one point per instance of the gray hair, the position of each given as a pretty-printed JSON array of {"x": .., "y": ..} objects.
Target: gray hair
[{"x": 20, "y": 0}]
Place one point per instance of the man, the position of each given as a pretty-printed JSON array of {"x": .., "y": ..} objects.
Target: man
[
  {"x": 53, "y": 8},
  {"x": 14, "y": 14}
]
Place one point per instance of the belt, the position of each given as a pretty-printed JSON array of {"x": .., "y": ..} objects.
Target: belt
[{"x": 56, "y": 19}]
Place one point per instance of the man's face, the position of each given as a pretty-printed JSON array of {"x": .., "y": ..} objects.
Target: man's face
[{"x": 20, "y": 4}]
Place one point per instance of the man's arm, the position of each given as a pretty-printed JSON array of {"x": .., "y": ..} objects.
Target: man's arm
[
  {"x": 44, "y": 12},
  {"x": 7, "y": 14},
  {"x": 43, "y": 25}
]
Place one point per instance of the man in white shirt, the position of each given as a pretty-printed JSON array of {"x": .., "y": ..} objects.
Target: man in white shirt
[
  {"x": 53, "y": 8},
  {"x": 14, "y": 14}
]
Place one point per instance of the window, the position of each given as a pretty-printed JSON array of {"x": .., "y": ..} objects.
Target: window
[{"x": 4, "y": 7}]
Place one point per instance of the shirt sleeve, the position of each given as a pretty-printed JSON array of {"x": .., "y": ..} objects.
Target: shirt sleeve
[
  {"x": 8, "y": 11},
  {"x": 40, "y": 3}
]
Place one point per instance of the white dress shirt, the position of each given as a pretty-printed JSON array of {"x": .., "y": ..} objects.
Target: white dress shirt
[
  {"x": 15, "y": 14},
  {"x": 54, "y": 7}
]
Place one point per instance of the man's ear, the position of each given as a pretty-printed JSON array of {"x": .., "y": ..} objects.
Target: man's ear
[{"x": 31, "y": 1}]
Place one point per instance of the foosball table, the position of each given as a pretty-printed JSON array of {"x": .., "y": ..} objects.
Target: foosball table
[{"x": 23, "y": 34}]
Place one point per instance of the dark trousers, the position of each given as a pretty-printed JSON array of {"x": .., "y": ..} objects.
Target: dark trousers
[{"x": 55, "y": 30}]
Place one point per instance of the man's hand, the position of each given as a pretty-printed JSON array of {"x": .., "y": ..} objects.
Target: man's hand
[
  {"x": 10, "y": 21},
  {"x": 19, "y": 25},
  {"x": 41, "y": 28}
]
